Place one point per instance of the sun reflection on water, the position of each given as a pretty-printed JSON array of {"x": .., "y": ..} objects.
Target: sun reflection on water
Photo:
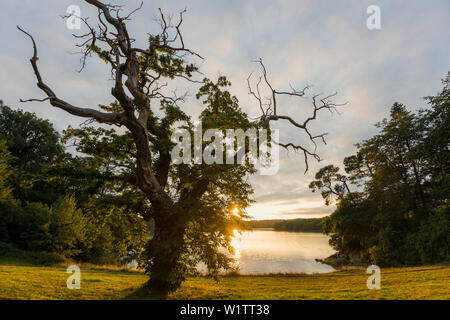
[{"x": 236, "y": 243}]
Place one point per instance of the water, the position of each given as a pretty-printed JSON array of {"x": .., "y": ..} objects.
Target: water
[{"x": 268, "y": 251}]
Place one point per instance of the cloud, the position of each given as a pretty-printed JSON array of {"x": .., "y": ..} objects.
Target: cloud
[{"x": 319, "y": 42}]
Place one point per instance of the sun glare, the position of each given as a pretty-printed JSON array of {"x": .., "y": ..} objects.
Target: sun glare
[{"x": 236, "y": 243}]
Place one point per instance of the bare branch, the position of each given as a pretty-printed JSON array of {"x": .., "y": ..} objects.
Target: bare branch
[
  {"x": 59, "y": 103},
  {"x": 306, "y": 153},
  {"x": 132, "y": 12},
  {"x": 38, "y": 100},
  {"x": 271, "y": 112}
]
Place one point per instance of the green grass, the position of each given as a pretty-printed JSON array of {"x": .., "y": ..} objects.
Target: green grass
[{"x": 49, "y": 282}]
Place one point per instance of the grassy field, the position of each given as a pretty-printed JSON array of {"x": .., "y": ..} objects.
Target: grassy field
[{"x": 19, "y": 281}]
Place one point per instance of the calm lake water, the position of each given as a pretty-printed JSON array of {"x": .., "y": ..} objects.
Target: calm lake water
[
  {"x": 265, "y": 251},
  {"x": 268, "y": 251}
]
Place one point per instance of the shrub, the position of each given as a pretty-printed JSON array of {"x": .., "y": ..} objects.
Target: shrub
[
  {"x": 433, "y": 238},
  {"x": 66, "y": 227}
]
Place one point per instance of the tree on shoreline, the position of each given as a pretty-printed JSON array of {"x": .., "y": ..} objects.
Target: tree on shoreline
[
  {"x": 401, "y": 215},
  {"x": 189, "y": 203}
]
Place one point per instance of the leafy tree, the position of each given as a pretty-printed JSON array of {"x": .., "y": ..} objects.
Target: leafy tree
[
  {"x": 40, "y": 172},
  {"x": 401, "y": 216},
  {"x": 25, "y": 226},
  {"x": 22, "y": 226},
  {"x": 34, "y": 147},
  {"x": 66, "y": 227},
  {"x": 299, "y": 225},
  {"x": 208, "y": 225},
  {"x": 189, "y": 203},
  {"x": 433, "y": 237},
  {"x": 330, "y": 182},
  {"x": 6, "y": 199},
  {"x": 5, "y": 172},
  {"x": 435, "y": 122},
  {"x": 351, "y": 231},
  {"x": 114, "y": 232}
]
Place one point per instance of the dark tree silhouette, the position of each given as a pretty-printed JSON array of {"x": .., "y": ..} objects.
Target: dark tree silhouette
[{"x": 189, "y": 203}]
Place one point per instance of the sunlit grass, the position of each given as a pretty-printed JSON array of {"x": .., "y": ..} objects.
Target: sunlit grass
[{"x": 34, "y": 282}]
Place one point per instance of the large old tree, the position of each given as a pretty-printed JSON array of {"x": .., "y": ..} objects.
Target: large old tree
[{"x": 190, "y": 204}]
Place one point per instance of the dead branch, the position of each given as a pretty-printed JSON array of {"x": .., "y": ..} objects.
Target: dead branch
[
  {"x": 270, "y": 110},
  {"x": 57, "y": 102},
  {"x": 135, "y": 69}
]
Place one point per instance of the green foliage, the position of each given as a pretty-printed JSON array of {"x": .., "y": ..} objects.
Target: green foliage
[
  {"x": 42, "y": 176},
  {"x": 105, "y": 220},
  {"x": 66, "y": 227},
  {"x": 34, "y": 147},
  {"x": 25, "y": 226},
  {"x": 347, "y": 226},
  {"x": 36, "y": 227},
  {"x": 401, "y": 216},
  {"x": 114, "y": 232},
  {"x": 330, "y": 182},
  {"x": 300, "y": 225},
  {"x": 210, "y": 192},
  {"x": 11, "y": 254},
  {"x": 433, "y": 237},
  {"x": 269, "y": 223},
  {"x": 5, "y": 172}
]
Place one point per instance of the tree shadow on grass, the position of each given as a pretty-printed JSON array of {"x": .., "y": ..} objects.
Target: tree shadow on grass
[{"x": 142, "y": 293}]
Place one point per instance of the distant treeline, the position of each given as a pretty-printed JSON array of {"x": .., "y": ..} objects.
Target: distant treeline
[
  {"x": 300, "y": 225},
  {"x": 297, "y": 225},
  {"x": 262, "y": 223}
]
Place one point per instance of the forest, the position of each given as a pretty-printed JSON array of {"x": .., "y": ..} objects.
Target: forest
[
  {"x": 300, "y": 225},
  {"x": 50, "y": 200},
  {"x": 295, "y": 225},
  {"x": 104, "y": 189},
  {"x": 392, "y": 198}
]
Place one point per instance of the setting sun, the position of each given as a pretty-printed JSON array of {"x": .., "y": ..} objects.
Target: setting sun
[{"x": 225, "y": 150}]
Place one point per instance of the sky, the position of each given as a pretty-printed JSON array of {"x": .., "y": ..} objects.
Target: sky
[{"x": 325, "y": 44}]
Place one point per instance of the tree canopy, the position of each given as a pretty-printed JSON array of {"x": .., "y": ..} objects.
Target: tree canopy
[
  {"x": 189, "y": 204},
  {"x": 399, "y": 212}
]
